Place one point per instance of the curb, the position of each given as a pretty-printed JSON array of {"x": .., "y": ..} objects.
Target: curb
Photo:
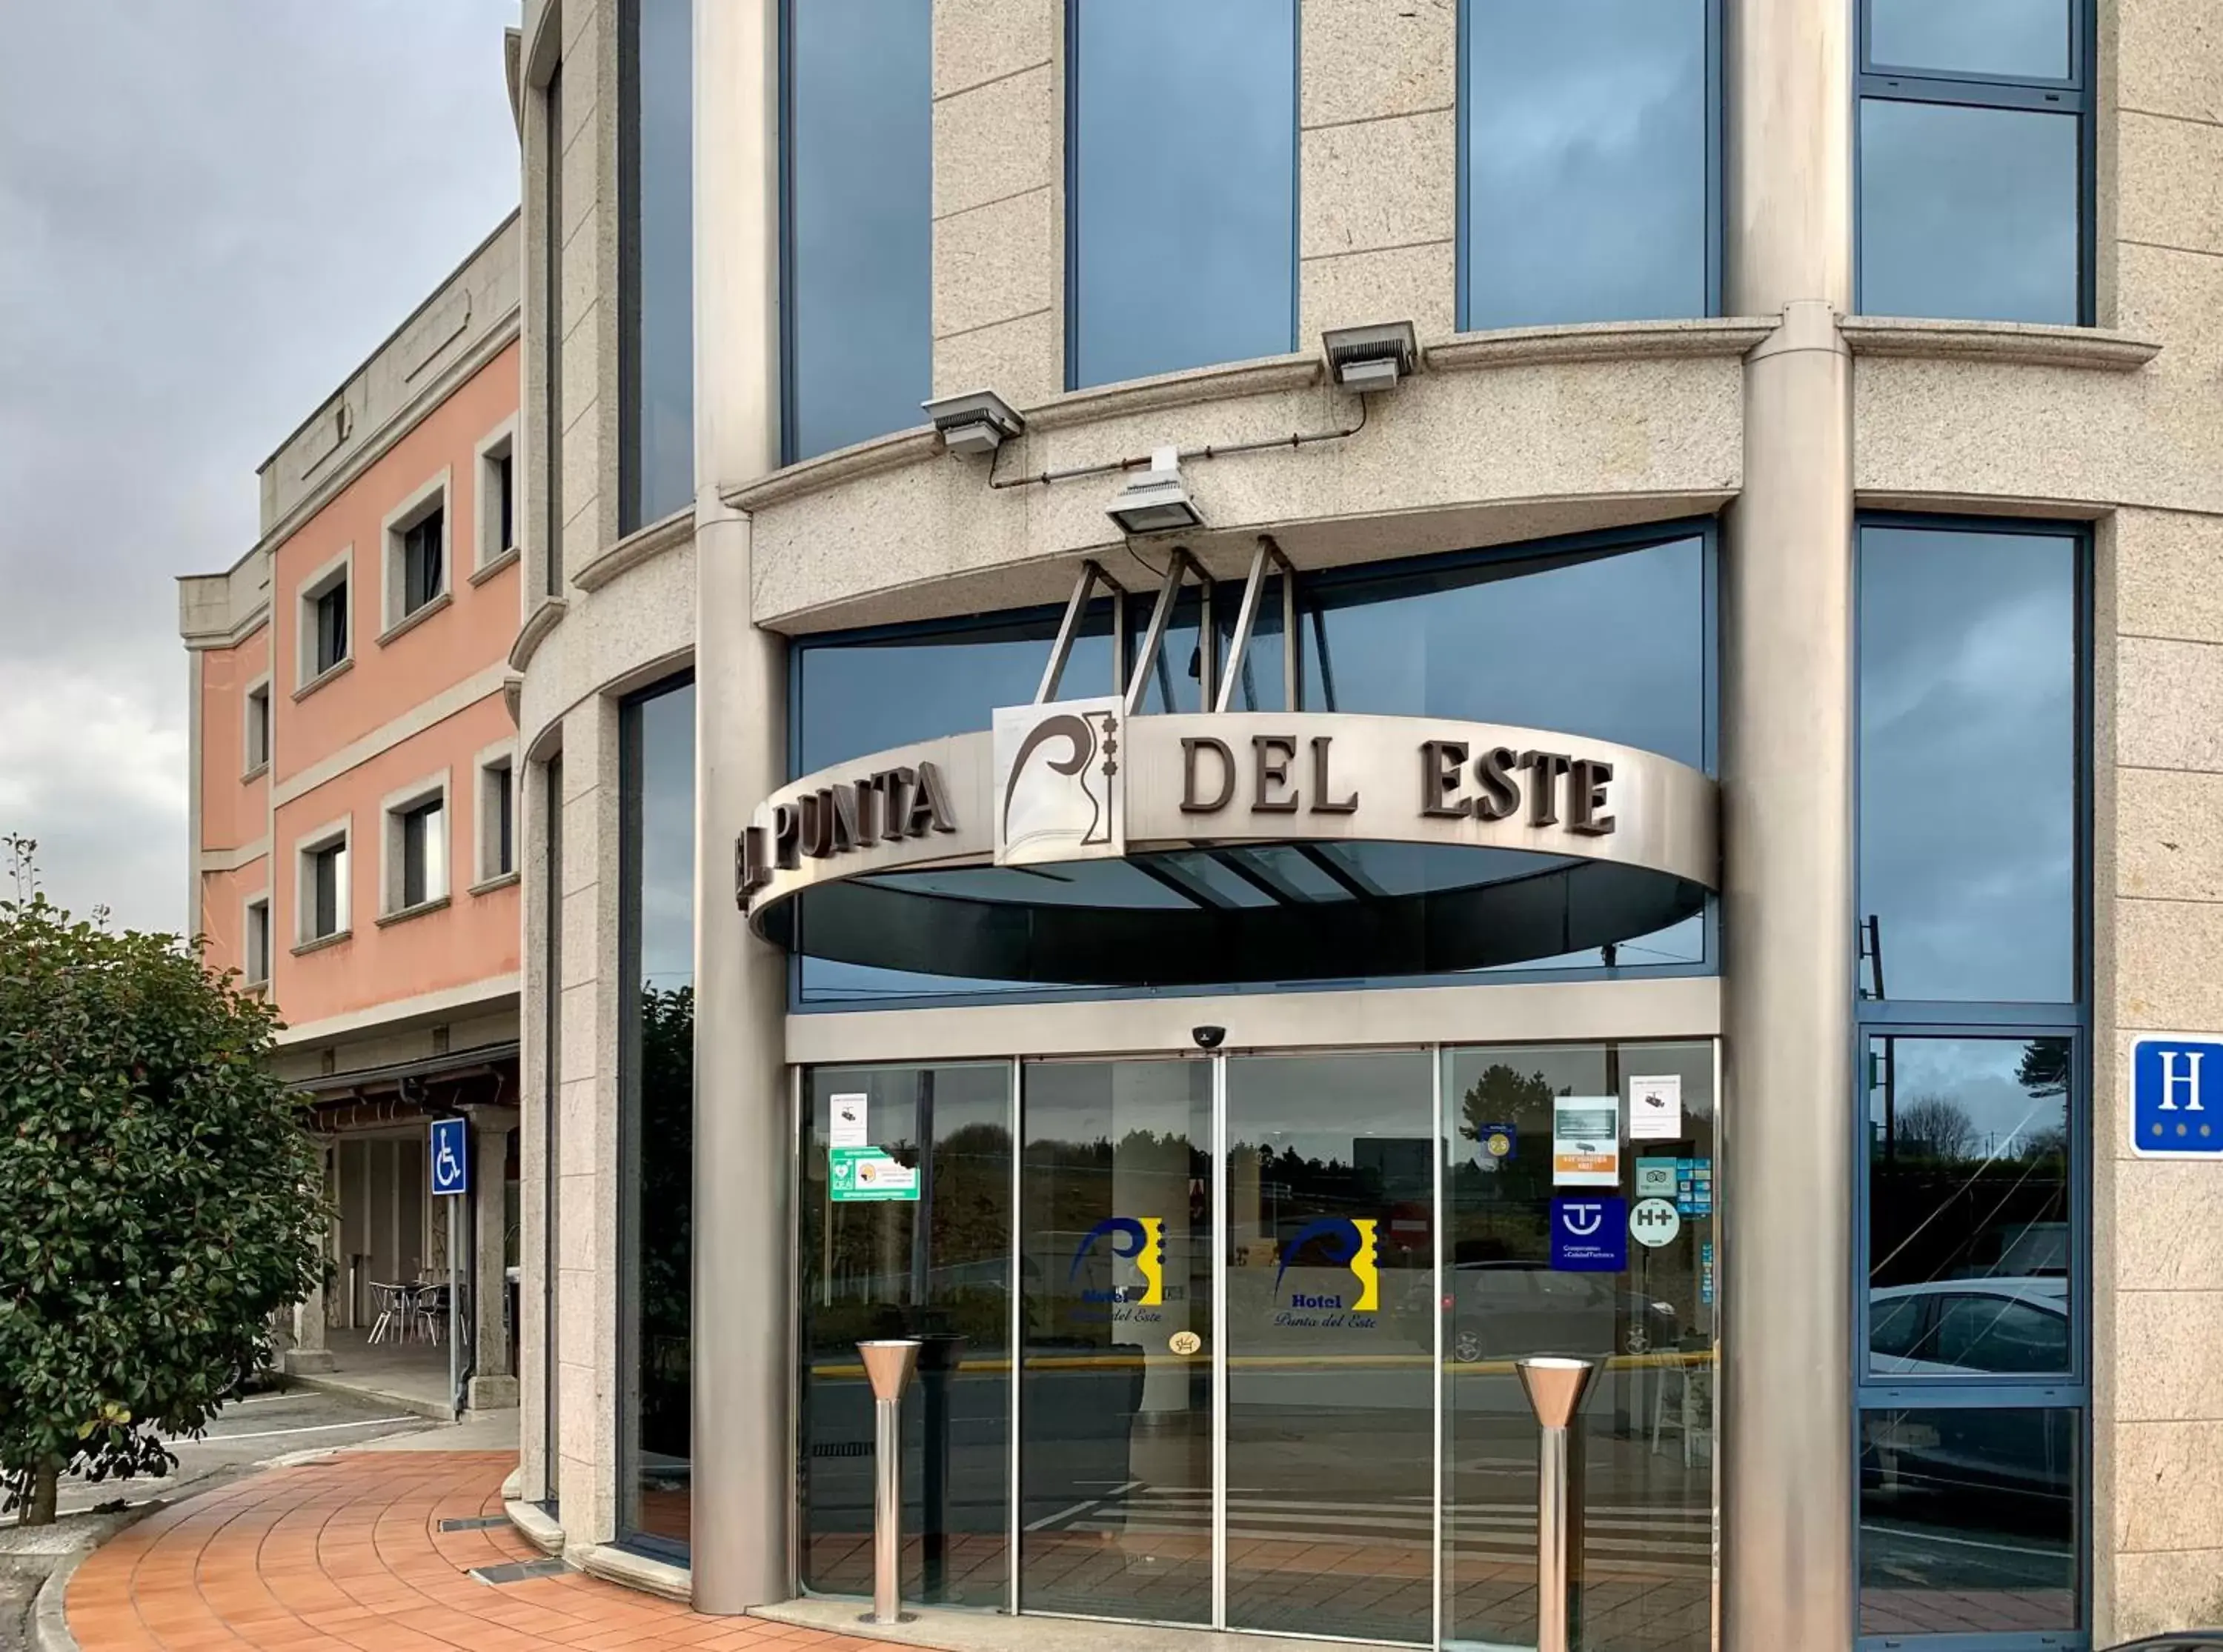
[
  {"x": 49, "y": 1616},
  {"x": 431, "y": 1409}
]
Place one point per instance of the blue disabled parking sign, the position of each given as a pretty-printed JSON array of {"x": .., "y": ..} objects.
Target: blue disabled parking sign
[
  {"x": 450, "y": 1156},
  {"x": 1590, "y": 1235},
  {"x": 2177, "y": 1098}
]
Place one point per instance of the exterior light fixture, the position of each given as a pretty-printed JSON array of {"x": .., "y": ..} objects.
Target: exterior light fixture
[
  {"x": 1365, "y": 359},
  {"x": 975, "y": 423},
  {"x": 1156, "y": 501}
]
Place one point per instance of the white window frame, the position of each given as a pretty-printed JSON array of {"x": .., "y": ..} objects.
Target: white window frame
[
  {"x": 255, "y": 735},
  {"x": 430, "y": 496},
  {"x": 306, "y": 847},
  {"x": 339, "y": 571},
  {"x": 495, "y": 766},
  {"x": 428, "y": 788},
  {"x": 248, "y": 960},
  {"x": 489, "y": 556}
]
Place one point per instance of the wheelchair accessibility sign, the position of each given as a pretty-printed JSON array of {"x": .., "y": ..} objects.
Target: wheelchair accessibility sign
[
  {"x": 2177, "y": 1098},
  {"x": 451, "y": 1157}
]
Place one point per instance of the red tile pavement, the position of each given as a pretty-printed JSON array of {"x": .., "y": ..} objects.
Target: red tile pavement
[{"x": 346, "y": 1552}]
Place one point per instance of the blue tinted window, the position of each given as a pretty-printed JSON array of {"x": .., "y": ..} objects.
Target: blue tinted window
[
  {"x": 1182, "y": 236},
  {"x": 1968, "y": 212},
  {"x": 1584, "y": 127},
  {"x": 656, "y": 1063},
  {"x": 1969, "y": 732},
  {"x": 2021, "y": 39},
  {"x": 1974, "y": 159},
  {"x": 657, "y": 357},
  {"x": 1970, "y": 1523},
  {"x": 1611, "y": 643},
  {"x": 860, "y": 220}
]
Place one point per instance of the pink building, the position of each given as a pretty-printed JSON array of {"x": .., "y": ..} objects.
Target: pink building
[{"x": 353, "y": 819}]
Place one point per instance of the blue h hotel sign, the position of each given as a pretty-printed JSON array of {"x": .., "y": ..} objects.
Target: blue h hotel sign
[{"x": 2177, "y": 1098}]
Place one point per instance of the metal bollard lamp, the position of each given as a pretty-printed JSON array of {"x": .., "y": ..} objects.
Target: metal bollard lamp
[
  {"x": 1556, "y": 1390},
  {"x": 889, "y": 1366}
]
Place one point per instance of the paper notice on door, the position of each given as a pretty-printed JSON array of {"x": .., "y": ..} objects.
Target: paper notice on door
[
  {"x": 849, "y": 1124},
  {"x": 1655, "y": 1108},
  {"x": 1586, "y": 1141}
]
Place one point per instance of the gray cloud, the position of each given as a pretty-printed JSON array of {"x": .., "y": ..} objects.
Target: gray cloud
[{"x": 209, "y": 214}]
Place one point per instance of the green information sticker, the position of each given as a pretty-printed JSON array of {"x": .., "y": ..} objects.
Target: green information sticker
[{"x": 855, "y": 1174}]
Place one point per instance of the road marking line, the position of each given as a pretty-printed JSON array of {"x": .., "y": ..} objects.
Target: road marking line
[{"x": 314, "y": 1427}]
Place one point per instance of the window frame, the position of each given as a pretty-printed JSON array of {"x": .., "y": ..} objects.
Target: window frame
[
  {"x": 1069, "y": 226},
  {"x": 626, "y": 1396},
  {"x": 494, "y": 468},
  {"x": 1638, "y": 537},
  {"x": 633, "y": 515},
  {"x": 423, "y": 502},
  {"x": 307, "y": 849},
  {"x": 497, "y": 792},
  {"x": 395, "y": 810},
  {"x": 255, "y": 938},
  {"x": 255, "y": 727},
  {"x": 2075, "y": 95},
  {"x": 1716, "y": 163},
  {"x": 2006, "y": 1022},
  {"x": 791, "y": 448},
  {"x": 312, "y": 671}
]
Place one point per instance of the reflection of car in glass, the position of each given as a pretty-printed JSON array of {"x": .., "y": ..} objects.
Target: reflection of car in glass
[
  {"x": 1505, "y": 1308},
  {"x": 1954, "y": 1328},
  {"x": 1961, "y": 1327}
]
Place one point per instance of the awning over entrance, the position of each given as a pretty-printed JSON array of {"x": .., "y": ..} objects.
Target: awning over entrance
[{"x": 1077, "y": 843}]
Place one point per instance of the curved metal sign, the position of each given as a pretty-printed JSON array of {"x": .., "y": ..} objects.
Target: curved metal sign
[{"x": 1080, "y": 780}]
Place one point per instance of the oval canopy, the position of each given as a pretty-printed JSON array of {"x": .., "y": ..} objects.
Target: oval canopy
[{"x": 1073, "y": 845}]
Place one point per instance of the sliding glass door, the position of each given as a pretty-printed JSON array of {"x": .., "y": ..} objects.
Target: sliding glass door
[
  {"x": 1116, "y": 1398},
  {"x": 1263, "y": 1313},
  {"x": 1330, "y": 1346}
]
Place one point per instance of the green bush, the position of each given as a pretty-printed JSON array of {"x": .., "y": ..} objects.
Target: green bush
[{"x": 159, "y": 1198}]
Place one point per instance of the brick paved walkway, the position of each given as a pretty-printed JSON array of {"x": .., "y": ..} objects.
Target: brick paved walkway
[{"x": 346, "y": 1552}]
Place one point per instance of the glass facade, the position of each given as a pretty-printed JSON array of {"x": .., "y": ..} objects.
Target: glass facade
[
  {"x": 1973, "y": 1379},
  {"x": 656, "y": 1069},
  {"x": 1153, "y": 85},
  {"x": 1969, "y": 717},
  {"x": 938, "y": 1268},
  {"x": 1975, "y": 155},
  {"x": 656, "y": 246},
  {"x": 1480, "y": 636},
  {"x": 1262, "y": 1299},
  {"x": 1588, "y": 157},
  {"x": 858, "y": 208}
]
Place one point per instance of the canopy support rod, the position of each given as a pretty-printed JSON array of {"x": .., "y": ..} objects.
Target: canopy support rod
[{"x": 1268, "y": 555}]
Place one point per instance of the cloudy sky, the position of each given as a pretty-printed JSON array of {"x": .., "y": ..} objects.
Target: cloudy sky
[{"x": 209, "y": 214}]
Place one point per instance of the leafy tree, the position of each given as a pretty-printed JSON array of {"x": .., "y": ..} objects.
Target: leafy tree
[
  {"x": 158, "y": 1196},
  {"x": 1935, "y": 1127}
]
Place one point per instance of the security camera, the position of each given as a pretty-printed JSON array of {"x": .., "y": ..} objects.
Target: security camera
[{"x": 1208, "y": 1038}]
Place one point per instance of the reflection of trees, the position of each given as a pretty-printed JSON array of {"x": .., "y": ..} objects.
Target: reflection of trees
[
  {"x": 866, "y": 1275},
  {"x": 1954, "y": 1201},
  {"x": 1935, "y": 1128},
  {"x": 664, "y": 1151},
  {"x": 2044, "y": 1067},
  {"x": 1498, "y": 1215}
]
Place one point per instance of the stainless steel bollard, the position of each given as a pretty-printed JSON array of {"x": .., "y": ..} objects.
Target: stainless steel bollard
[
  {"x": 1556, "y": 1390},
  {"x": 888, "y": 1367}
]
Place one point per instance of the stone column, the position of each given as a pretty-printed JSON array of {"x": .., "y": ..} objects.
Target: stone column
[
  {"x": 494, "y": 1384},
  {"x": 1787, "y": 701},
  {"x": 309, "y": 1353},
  {"x": 742, "y": 1499}
]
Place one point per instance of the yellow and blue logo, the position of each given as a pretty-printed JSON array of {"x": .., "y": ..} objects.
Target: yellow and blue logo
[
  {"x": 1140, "y": 1239},
  {"x": 1351, "y": 1243}
]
